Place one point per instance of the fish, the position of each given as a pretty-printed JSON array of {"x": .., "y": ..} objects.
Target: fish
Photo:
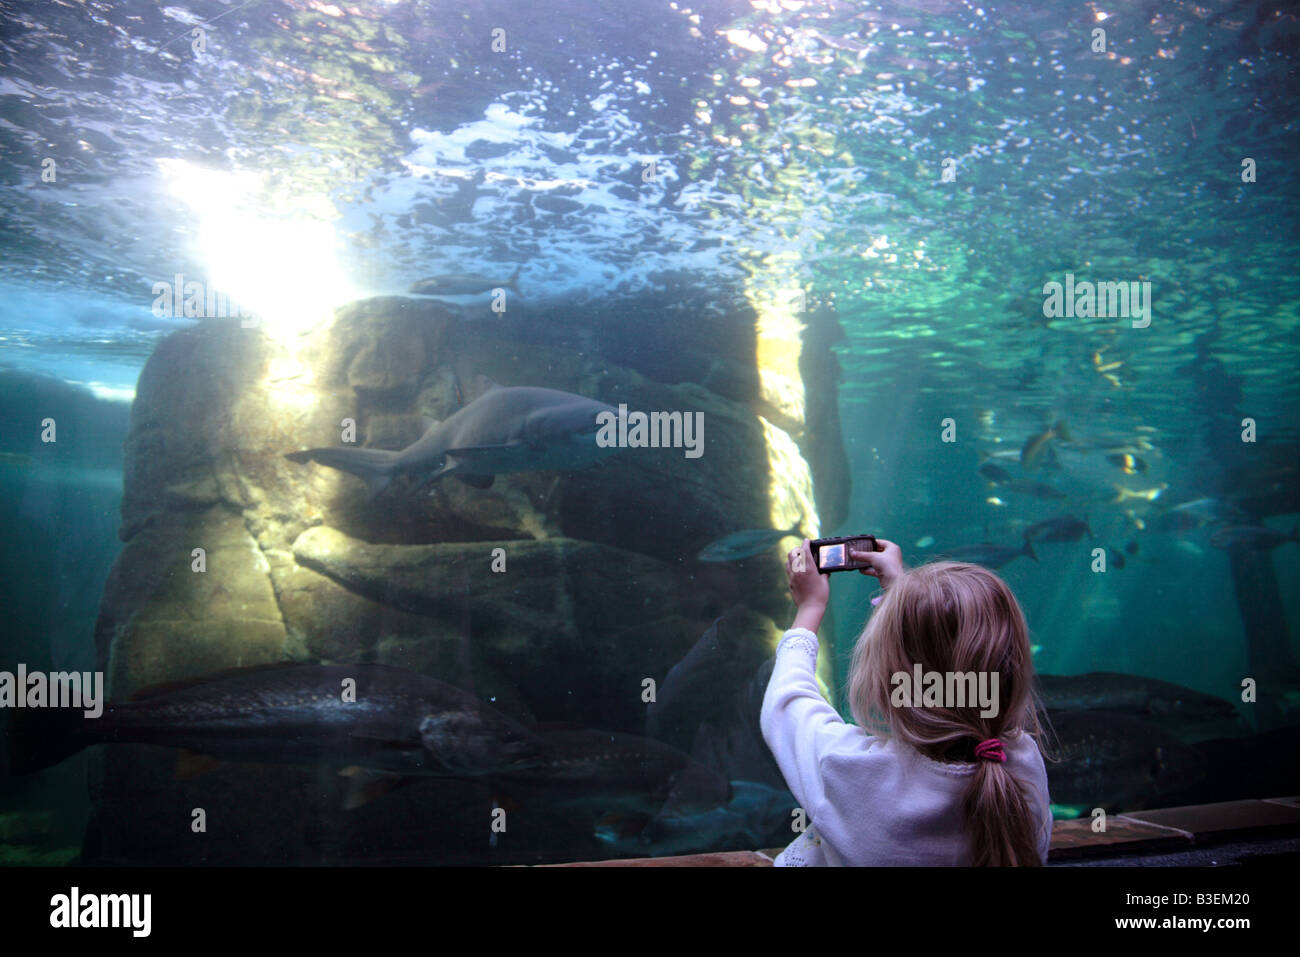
[
  {"x": 1036, "y": 445},
  {"x": 587, "y": 762},
  {"x": 758, "y": 815},
  {"x": 402, "y": 726},
  {"x": 1062, "y": 528},
  {"x": 684, "y": 698},
  {"x": 987, "y": 554},
  {"x": 1127, "y": 463},
  {"x": 1132, "y": 547},
  {"x": 1101, "y": 365},
  {"x": 1036, "y": 489},
  {"x": 1123, "y": 494},
  {"x": 1117, "y": 761},
  {"x": 1269, "y": 487},
  {"x": 400, "y": 721},
  {"x": 462, "y": 284},
  {"x": 1136, "y": 695},
  {"x": 709, "y": 703},
  {"x": 925, "y": 541},
  {"x": 744, "y": 544},
  {"x": 1254, "y": 538},
  {"x": 1116, "y": 557},
  {"x": 994, "y": 473},
  {"x": 1200, "y": 511},
  {"x": 506, "y": 429},
  {"x": 1006, "y": 455}
]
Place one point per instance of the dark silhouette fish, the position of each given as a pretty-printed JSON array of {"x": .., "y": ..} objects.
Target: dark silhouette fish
[
  {"x": 401, "y": 725},
  {"x": 506, "y": 429},
  {"x": 590, "y": 764},
  {"x": 1254, "y": 538},
  {"x": 1062, "y": 528},
  {"x": 719, "y": 729},
  {"x": 1036, "y": 445},
  {"x": 1198, "y": 512},
  {"x": 462, "y": 284},
  {"x": 987, "y": 554},
  {"x": 1116, "y": 761},
  {"x": 400, "y": 721},
  {"x": 744, "y": 544},
  {"x": 1134, "y": 695},
  {"x": 757, "y": 815},
  {"x": 684, "y": 698},
  {"x": 994, "y": 473}
]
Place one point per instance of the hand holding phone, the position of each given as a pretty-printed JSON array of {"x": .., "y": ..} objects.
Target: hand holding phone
[
  {"x": 886, "y": 562},
  {"x": 835, "y": 554}
]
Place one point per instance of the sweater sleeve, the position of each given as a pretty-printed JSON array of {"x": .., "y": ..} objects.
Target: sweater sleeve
[{"x": 798, "y": 724}]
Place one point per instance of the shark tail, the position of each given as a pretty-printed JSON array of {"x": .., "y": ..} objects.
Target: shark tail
[
  {"x": 376, "y": 467},
  {"x": 513, "y": 281},
  {"x": 1029, "y": 549}
]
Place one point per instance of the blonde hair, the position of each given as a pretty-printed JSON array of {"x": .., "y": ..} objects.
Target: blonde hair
[{"x": 954, "y": 617}]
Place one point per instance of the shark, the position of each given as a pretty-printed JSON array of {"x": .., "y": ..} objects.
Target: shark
[
  {"x": 506, "y": 429},
  {"x": 463, "y": 284}
]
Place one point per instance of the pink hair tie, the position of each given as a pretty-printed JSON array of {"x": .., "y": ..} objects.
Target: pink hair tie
[{"x": 990, "y": 750}]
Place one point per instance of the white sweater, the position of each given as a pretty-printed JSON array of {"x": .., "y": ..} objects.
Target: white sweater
[{"x": 872, "y": 800}]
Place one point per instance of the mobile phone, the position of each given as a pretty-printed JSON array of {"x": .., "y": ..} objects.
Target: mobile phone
[{"x": 832, "y": 554}]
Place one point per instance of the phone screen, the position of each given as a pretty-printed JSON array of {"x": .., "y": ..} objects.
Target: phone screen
[{"x": 832, "y": 556}]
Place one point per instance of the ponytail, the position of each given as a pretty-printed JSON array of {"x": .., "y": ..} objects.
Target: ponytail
[{"x": 999, "y": 818}]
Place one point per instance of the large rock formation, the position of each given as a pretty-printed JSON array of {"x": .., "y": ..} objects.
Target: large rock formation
[{"x": 236, "y": 556}]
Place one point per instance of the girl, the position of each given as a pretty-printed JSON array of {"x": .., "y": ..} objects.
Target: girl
[{"x": 936, "y": 785}]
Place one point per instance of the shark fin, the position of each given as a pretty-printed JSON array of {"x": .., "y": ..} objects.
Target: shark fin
[{"x": 452, "y": 466}]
